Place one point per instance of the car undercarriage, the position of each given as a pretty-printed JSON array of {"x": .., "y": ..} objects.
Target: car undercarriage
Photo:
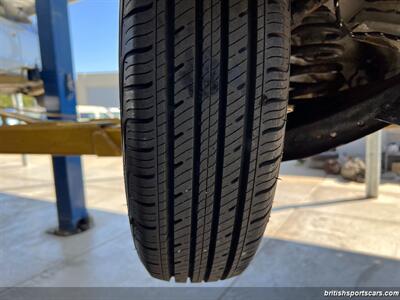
[{"x": 345, "y": 65}]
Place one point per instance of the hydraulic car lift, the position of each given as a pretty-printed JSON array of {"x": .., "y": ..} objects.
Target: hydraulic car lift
[
  {"x": 57, "y": 75},
  {"x": 45, "y": 137},
  {"x": 65, "y": 138},
  {"x": 59, "y": 135}
]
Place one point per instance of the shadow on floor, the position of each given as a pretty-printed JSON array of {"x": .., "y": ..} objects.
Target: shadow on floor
[
  {"x": 104, "y": 256},
  {"x": 320, "y": 203},
  {"x": 296, "y": 264}
]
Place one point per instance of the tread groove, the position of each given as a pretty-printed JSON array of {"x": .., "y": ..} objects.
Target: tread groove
[
  {"x": 170, "y": 90},
  {"x": 248, "y": 132},
  {"x": 224, "y": 40},
  {"x": 197, "y": 130}
]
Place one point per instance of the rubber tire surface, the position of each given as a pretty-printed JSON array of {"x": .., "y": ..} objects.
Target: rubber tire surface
[{"x": 204, "y": 90}]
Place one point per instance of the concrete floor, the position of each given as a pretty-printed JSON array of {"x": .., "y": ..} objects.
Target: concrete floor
[{"x": 323, "y": 232}]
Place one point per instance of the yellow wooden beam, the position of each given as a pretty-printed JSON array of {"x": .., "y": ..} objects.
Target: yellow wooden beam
[{"x": 102, "y": 138}]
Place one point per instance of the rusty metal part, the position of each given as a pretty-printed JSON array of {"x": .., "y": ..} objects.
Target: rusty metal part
[
  {"x": 377, "y": 23},
  {"x": 13, "y": 84},
  {"x": 377, "y": 39}
]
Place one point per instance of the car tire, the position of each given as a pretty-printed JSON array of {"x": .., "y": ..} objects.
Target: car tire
[{"x": 204, "y": 92}]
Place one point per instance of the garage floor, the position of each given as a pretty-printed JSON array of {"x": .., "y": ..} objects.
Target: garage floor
[{"x": 322, "y": 232}]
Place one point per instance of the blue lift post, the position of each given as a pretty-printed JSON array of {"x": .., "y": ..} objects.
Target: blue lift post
[{"x": 58, "y": 77}]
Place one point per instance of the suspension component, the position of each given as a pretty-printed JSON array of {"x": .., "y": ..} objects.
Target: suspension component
[
  {"x": 302, "y": 8},
  {"x": 378, "y": 23},
  {"x": 316, "y": 66}
]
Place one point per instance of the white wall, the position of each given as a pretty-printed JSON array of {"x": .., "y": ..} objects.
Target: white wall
[
  {"x": 357, "y": 148},
  {"x": 98, "y": 89}
]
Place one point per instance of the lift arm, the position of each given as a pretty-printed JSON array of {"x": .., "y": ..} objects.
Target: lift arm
[{"x": 102, "y": 137}]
